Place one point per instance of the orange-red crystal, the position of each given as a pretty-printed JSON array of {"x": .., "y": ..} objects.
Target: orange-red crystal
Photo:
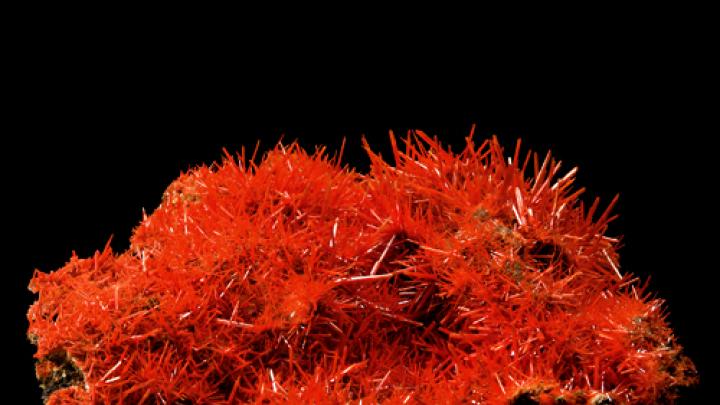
[{"x": 446, "y": 278}]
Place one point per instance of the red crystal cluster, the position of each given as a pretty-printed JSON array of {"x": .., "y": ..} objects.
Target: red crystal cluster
[{"x": 446, "y": 278}]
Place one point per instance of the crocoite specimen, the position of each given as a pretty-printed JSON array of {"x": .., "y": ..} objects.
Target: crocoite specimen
[{"x": 446, "y": 278}]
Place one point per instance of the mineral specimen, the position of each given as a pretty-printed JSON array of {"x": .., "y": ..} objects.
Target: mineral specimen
[{"x": 444, "y": 278}]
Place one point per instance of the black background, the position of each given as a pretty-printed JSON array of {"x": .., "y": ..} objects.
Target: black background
[{"x": 99, "y": 137}]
